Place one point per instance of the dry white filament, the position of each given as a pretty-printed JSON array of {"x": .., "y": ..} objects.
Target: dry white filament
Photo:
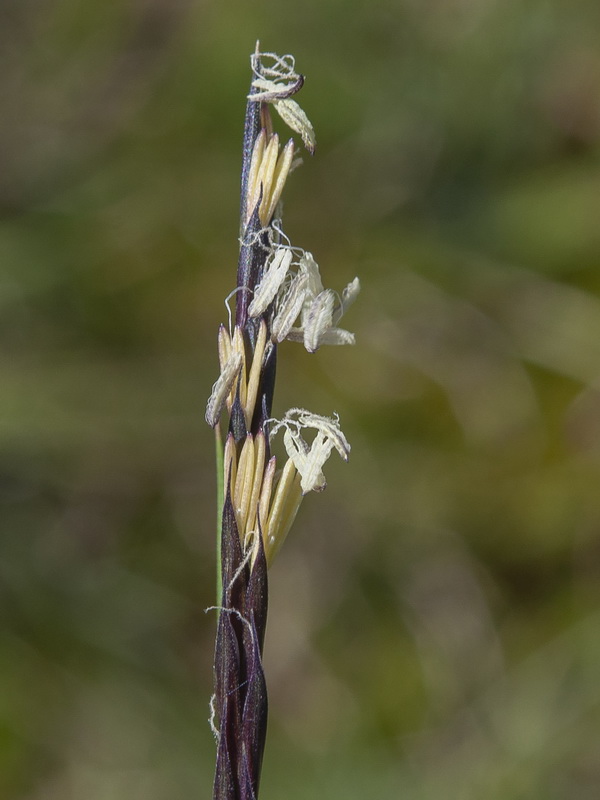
[{"x": 283, "y": 68}]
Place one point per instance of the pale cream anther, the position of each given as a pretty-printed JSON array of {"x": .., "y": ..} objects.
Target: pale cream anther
[
  {"x": 309, "y": 459},
  {"x": 289, "y": 308},
  {"x": 295, "y": 447},
  {"x": 277, "y": 268},
  {"x": 224, "y": 346},
  {"x": 306, "y": 461},
  {"x": 295, "y": 118},
  {"x": 222, "y": 388},
  {"x": 270, "y": 91},
  {"x": 337, "y": 336},
  {"x": 350, "y": 294},
  {"x": 319, "y": 319},
  {"x": 321, "y": 309},
  {"x": 309, "y": 266},
  {"x": 330, "y": 427},
  {"x": 313, "y": 479},
  {"x": 332, "y": 336}
]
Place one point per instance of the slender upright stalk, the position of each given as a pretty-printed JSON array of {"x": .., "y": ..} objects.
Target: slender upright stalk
[{"x": 277, "y": 286}]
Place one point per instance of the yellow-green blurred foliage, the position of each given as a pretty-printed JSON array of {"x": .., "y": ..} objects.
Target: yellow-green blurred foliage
[{"x": 434, "y": 624}]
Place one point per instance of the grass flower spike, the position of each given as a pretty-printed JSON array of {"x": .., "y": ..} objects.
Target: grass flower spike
[{"x": 279, "y": 296}]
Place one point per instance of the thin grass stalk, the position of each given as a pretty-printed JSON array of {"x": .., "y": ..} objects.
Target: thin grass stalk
[{"x": 277, "y": 287}]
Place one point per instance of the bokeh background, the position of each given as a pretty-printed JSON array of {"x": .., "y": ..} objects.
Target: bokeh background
[{"x": 435, "y": 616}]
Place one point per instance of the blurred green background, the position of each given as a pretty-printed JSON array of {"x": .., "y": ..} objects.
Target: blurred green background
[{"x": 435, "y": 616}]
